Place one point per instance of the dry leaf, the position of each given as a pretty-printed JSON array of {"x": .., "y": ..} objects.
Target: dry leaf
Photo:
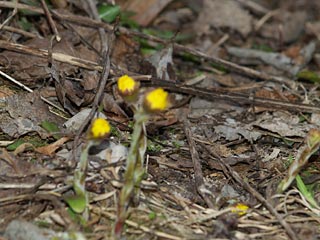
[
  {"x": 51, "y": 148},
  {"x": 23, "y": 147}
]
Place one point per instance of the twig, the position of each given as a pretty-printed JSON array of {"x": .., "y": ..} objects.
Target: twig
[
  {"x": 98, "y": 96},
  {"x": 50, "y": 21},
  {"x": 265, "y": 18},
  {"x": 198, "y": 176},
  {"x": 95, "y": 16},
  {"x": 19, "y": 31},
  {"x": 235, "y": 67},
  {"x": 257, "y": 8},
  {"x": 60, "y": 57},
  {"x": 216, "y": 45},
  {"x": 97, "y": 99},
  {"x": 15, "y": 10},
  {"x": 82, "y": 39},
  {"x": 254, "y": 193},
  {"x": 213, "y": 94}
]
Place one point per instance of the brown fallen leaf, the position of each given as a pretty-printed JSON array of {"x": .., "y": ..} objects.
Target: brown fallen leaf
[
  {"x": 51, "y": 148},
  {"x": 23, "y": 147}
]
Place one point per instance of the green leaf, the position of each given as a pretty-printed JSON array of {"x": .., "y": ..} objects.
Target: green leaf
[
  {"x": 76, "y": 217},
  {"x": 108, "y": 13},
  {"x": 32, "y": 3},
  {"x": 167, "y": 34},
  {"x": 152, "y": 215},
  {"x": 147, "y": 51},
  {"x": 51, "y": 128},
  {"x": 77, "y": 203},
  {"x": 14, "y": 145},
  {"x": 126, "y": 20},
  {"x": 309, "y": 76},
  {"x": 159, "y": 33},
  {"x": 25, "y": 24},
  {"x": 307, "y": 193},
  {"x": 262, "y": 47}
]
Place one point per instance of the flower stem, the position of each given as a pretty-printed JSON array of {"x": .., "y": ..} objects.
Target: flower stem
[{"x": 134, "y": 170}]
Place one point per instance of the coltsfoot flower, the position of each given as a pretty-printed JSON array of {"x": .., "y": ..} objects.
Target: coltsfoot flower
[
  {"x": 156, "y": 100},
  {"x": 100, "y": 128},
  {"x": 240, "y": 209},
  {"x": 127, "y": 86}
]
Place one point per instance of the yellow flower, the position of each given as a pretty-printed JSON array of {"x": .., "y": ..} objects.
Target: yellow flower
[
  {"x": 100, "y": 128},
  {"x": 127, "y": 85},
  {"x": 156, "y": 100},
  {"x": 240, "y": 209}
]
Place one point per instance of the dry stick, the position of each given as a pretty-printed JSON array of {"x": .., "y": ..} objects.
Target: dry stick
[
  {"x": 255, "y": 7},
  {"x": 95, "y": 15},
  {"x": 60, "y": 57},
  {"x": 254, "y": 193},
  {"x": 100, "y": 89},
  {"x": 15, "y": 10},
  {"x": 82, "y": 39},
  {"x": 96, "y": 101},
  {"x": 80, "y": 20},
  {"x": 198, "y": 176},
  {"x": 235, "y": 67},
  {"x": 50, "y": 21},
  {"x": 238, "y": 98},
  {"x": 6, "y": 4},
  {"x": 19, "y": 31}
]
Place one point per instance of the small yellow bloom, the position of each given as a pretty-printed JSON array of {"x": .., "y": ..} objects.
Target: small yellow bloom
[
  {"x": 156, "y": 100},
  {"x": 240, "y": 209},
  {"x": 100, "y": 128},
  {"x": 127, "y": 85}
]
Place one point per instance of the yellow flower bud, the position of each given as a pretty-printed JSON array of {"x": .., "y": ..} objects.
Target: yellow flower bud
[
  {"x": 127, "y": 86},
  {"x": 156, "y": 100},
  {"x": 240, "y": 209},
  {"x": 100, "y": 128}
]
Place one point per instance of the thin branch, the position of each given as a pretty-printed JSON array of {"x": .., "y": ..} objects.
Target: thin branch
[
  {"x": 19, "y": 31},
  {"x": 102, "y": 33},
  {"x": 198, "y": 176},
  {"x": 213, "y": 94},
  {"x": 15, "y": 10},
  {"x": 60, "y": 57},
  {"x": 50, "y": 21}
]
